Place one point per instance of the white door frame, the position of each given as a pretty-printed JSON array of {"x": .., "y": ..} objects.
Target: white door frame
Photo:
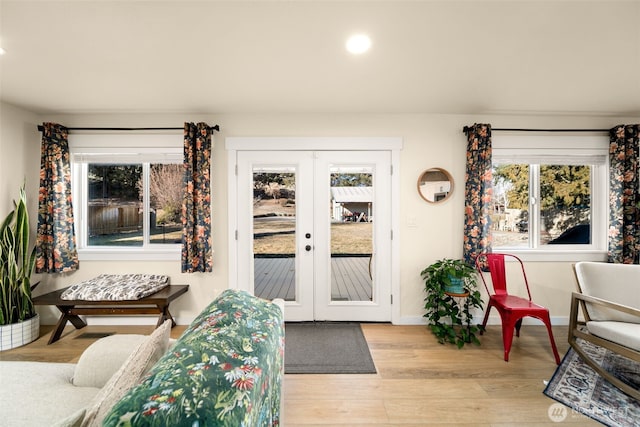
[{"x": 392, "y": 144}]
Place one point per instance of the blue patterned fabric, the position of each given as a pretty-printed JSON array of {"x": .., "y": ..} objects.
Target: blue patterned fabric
[
  {"x": 55, "y": 241},
  {"x": 225, "y": 370},
  {"x": 624, "y": 200},
  {"x": 197, "y": 255},
  {"x": 478, "y": 192}
]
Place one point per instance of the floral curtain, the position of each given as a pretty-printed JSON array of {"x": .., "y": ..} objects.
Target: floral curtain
[
  {"x": 477, "y": 192},
  {"x": 624, "y": 200},
  {"x": 55, "y": 240},
  {"x": 197, "y": 255}
]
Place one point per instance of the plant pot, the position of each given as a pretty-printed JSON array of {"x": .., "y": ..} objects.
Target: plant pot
[
  {"x": 19, "y": 334},
  {"x": 456, "y": 286}
]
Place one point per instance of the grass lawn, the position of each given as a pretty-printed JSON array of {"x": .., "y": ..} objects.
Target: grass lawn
[
  {"x": 171, "y": 234},
  {"x": 276, "y": 236}
]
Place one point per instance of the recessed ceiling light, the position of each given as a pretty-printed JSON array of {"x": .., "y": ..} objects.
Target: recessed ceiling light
[
  {"x": 2, "y": 51},
  {"x": 359, "y": 43}
]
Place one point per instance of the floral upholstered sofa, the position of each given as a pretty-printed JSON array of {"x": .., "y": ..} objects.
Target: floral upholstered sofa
[{"x": 225, "y": 370}]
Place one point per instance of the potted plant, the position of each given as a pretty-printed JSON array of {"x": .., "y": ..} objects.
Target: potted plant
[
  {"x": 19, "y": 322},
  {"x": 452, "y": 292}
]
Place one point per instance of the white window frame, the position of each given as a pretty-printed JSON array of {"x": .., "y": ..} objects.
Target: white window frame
[
  {"x": 144, "y": 149},
  {"x": 553, "y": 148}
]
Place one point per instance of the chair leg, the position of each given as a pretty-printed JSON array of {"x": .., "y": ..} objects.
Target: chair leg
[
  {"x": 507, "y": 335},
  {"x": 486, "y": 317},
  {"x": 518, "y": 325},
  {"x": 547, "y": 323}
]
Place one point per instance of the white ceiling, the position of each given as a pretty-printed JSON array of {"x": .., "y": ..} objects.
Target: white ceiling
[{"x": 466, "y": 57}]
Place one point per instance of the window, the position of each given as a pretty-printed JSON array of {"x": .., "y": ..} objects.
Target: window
[
  {"x": 549, "y": 193},
  {"x": 127, "y": 200}
]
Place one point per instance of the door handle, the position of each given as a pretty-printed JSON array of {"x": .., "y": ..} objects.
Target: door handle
[{"x": 307, "y": 248}]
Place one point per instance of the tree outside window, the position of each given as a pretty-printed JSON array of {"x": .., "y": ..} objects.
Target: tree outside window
[{"x": 541, "y": 205}]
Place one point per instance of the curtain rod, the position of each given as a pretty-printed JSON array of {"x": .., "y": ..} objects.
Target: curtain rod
[
  {"x": 467, "y": 129},
  {"x": 215, "y": 127}
]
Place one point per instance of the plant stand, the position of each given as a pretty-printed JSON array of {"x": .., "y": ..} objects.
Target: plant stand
[
  {"x": 19, "y": 334},
  {"x": 465, "y": 305}
]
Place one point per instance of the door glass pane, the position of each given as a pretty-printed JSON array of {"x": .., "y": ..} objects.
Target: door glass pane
[
  {"x": 114, "y": 205},
  {"x": 165, "y": 190},
  {"x": 274, "y": 232},
  {"x": 351, "y": 211}
]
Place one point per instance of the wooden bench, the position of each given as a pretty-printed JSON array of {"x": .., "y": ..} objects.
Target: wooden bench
[{"x": 157, "y": 303}]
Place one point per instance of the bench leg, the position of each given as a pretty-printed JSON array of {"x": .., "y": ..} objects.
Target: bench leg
[
  {"x": 62, "y": 322},
  {"x": 165, "y": 315}
]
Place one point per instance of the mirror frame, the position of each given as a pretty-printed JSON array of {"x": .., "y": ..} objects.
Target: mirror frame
[{"x": 443, "y": 171}]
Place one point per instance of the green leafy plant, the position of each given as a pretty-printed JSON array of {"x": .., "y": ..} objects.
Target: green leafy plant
[
  {"x": 450, "y": 314},
  {"x": 16, "y": 265}
]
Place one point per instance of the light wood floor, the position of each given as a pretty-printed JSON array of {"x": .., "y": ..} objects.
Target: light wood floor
[{"x": 419, "y": 382}]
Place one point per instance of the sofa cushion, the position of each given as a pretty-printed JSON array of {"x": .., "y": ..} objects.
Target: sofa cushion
[
  {"x": 103, "y": 358},
  {"x": 225, "y": 369},
  {"x": 36, "y": 394},
  {"x": 73, "y": 420},
  {"x": 129, "y": 374}
]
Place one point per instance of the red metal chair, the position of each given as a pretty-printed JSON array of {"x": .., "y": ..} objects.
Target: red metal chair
[{"x": 511, "y": 308}]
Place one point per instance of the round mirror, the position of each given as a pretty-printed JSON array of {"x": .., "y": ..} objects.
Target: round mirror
[{"x": 435, "y": 185}]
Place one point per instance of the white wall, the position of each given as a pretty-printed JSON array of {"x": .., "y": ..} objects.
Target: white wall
[
  {"x": 429, "y": 141},
  {"x": 19, "y": 157},
  {"x": 19, "y": 162}
]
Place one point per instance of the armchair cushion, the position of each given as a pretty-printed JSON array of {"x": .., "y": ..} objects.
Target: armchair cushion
[
  {"x": 617, "y": 283},
  {"x": 611, "y": 300},
  {"x": 626, "y": 334}
]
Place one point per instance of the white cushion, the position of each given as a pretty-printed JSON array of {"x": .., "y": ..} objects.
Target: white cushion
[
  {"x": 103, "y": 358},
  {"x": 619, "y": 283},
  {"x": 40, "y": 393},
  {"x": 129, "y": 374},
  {"x": 626, "y": 334},
  {"x": 73, "y": 420}
]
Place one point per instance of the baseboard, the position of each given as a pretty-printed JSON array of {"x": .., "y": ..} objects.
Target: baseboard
[
  {"x": 555, "y": 321},
  {"x": 181, "y": 320}
]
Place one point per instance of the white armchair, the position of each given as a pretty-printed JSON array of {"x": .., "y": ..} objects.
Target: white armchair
[{"x": 610, "y": 301}]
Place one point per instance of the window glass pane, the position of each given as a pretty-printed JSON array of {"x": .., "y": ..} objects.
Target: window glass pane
[
  {"x": 510, "y": 216},
  {"x": 115, "y": 205},
  {"x": 165, "y": 191},
  {"x": 565, "y": 204}
]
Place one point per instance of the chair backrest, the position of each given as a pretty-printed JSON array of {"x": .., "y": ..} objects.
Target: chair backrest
[
  {"x": 619, "y": 283},
  {"x": 495, "y": 262}
]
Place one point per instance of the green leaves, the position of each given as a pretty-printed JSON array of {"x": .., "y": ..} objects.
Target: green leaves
[
  {"x": 16, "y": 265},
  {"x": 450, "y": 317}
]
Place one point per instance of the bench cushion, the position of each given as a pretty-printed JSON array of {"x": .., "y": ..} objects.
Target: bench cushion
[{"x": 116, "y": 287}]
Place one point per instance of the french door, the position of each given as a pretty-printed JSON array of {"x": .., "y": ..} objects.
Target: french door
[{"x": 314, "y": 228}]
